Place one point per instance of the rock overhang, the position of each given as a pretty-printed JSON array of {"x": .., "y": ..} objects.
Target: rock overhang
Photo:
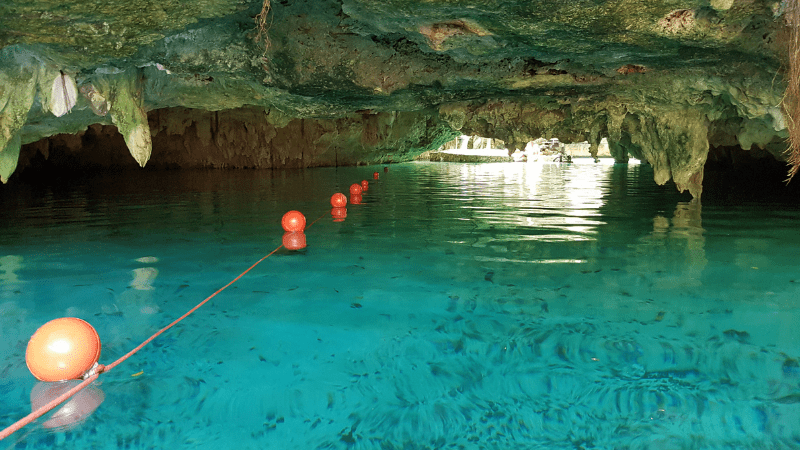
[{"x": 663, "y": 80}]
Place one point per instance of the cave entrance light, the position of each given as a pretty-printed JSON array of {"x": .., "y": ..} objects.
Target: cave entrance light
[{"x": 541, "y": 149}]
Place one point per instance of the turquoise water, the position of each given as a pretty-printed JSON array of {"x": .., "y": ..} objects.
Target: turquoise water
[{"x": 461, "y": 306}]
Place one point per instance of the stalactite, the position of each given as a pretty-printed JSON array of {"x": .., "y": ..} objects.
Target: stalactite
[
  {"x": 126, "y": 105},
  {"x": 16, "y": 100}
]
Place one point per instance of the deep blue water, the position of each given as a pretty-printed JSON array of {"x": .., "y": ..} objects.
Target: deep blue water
[{"x": 474, "y": 306}]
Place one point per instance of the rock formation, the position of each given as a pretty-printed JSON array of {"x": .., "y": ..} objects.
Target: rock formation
[{"x": 299, "y": 83}]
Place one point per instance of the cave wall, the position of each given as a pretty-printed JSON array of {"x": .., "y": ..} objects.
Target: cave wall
[
  {"x": 327, "y": 82},
  {"x": 247, "y": 138}
]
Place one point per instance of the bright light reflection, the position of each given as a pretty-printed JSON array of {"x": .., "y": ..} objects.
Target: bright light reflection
[
  {"x": 531, "y": 261},
  {"x": 61, "y": 346},
  {"x": 556, "y": 237},
  {"x": 564, "y": 198}
]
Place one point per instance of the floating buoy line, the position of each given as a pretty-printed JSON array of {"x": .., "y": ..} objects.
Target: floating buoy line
[{"x": 67, "y": 349}]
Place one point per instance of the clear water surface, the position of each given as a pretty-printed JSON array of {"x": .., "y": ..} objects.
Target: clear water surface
[{"x": 461, "y": 306}]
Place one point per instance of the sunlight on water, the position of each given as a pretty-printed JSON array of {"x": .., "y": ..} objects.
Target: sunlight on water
[{"x": 474, "y": 306}]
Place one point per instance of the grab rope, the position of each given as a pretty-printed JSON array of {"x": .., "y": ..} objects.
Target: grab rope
[{"x": 98, "y": 369}]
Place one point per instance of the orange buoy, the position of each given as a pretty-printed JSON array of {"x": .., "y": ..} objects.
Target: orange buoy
[
  {"x": 338, "y": 200},
  {"x": 375, "y": 175},
  {"x": 293, "y": 221},
  {"x": 355, "y": 189},
  {"x": 294, "y": 240},
  {"x": 355, "y": 199},
  {"x": 62, "y": 349},
  {"x": 364, "y": 185},
  {"x": 338, "y": 214}
]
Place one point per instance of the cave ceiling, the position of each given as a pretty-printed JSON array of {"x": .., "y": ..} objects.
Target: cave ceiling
[{"x": 663, "y": 80}]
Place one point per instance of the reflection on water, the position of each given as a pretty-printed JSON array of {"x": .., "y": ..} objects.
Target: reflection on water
[
  {"x": 72, "y": 412},
  {"x": 536, "y": 196},
  {"x": 9, "y": 266},
  {"x": 681, "y": 237},
  {"x": 458, "y": 306}
]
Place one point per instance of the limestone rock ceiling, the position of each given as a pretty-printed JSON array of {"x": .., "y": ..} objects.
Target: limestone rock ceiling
[{"x": 361, "y": 81}]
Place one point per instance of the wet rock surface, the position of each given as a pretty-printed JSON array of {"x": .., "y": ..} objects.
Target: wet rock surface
[{"x": 356, "y": 82}]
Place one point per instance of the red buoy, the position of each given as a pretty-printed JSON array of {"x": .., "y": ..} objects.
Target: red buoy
[
  {"x": 293, "y": 221},
  {"x": 375, "y": 175},
  {"x": 364, "y": 185},
  {"x": 338, "y": 200},
  {"x": 63, "y": 349},
  {"x": 294, "y": 240},
  {"x": 355, "y": 189}
]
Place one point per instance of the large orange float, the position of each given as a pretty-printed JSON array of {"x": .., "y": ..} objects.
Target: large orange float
[{"x": 63, "y": 349}]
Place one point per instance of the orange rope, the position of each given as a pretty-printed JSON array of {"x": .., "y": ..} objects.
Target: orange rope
[
  {"x": 103, "y": 369},
  {"x": 44, "y": 409},
  {"x": 130, "y": 353}
]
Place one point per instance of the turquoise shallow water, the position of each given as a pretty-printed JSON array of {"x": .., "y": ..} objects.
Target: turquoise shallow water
[{"x": 464, "y": 306}]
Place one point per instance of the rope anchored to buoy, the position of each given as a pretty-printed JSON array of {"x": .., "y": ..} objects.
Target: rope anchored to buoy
[
  {"x": 67, "y": 338},
  {"x": 69, "y": 348}
]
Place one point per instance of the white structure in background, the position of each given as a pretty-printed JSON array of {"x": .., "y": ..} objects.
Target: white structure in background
[
  {"x": 475, "y": 145},
  {"x": 602, "y": 148},
  {"x": 543, "y": 149},
  {"x": 533, "y": 150},
  {"x": 537, "y": 150}
]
